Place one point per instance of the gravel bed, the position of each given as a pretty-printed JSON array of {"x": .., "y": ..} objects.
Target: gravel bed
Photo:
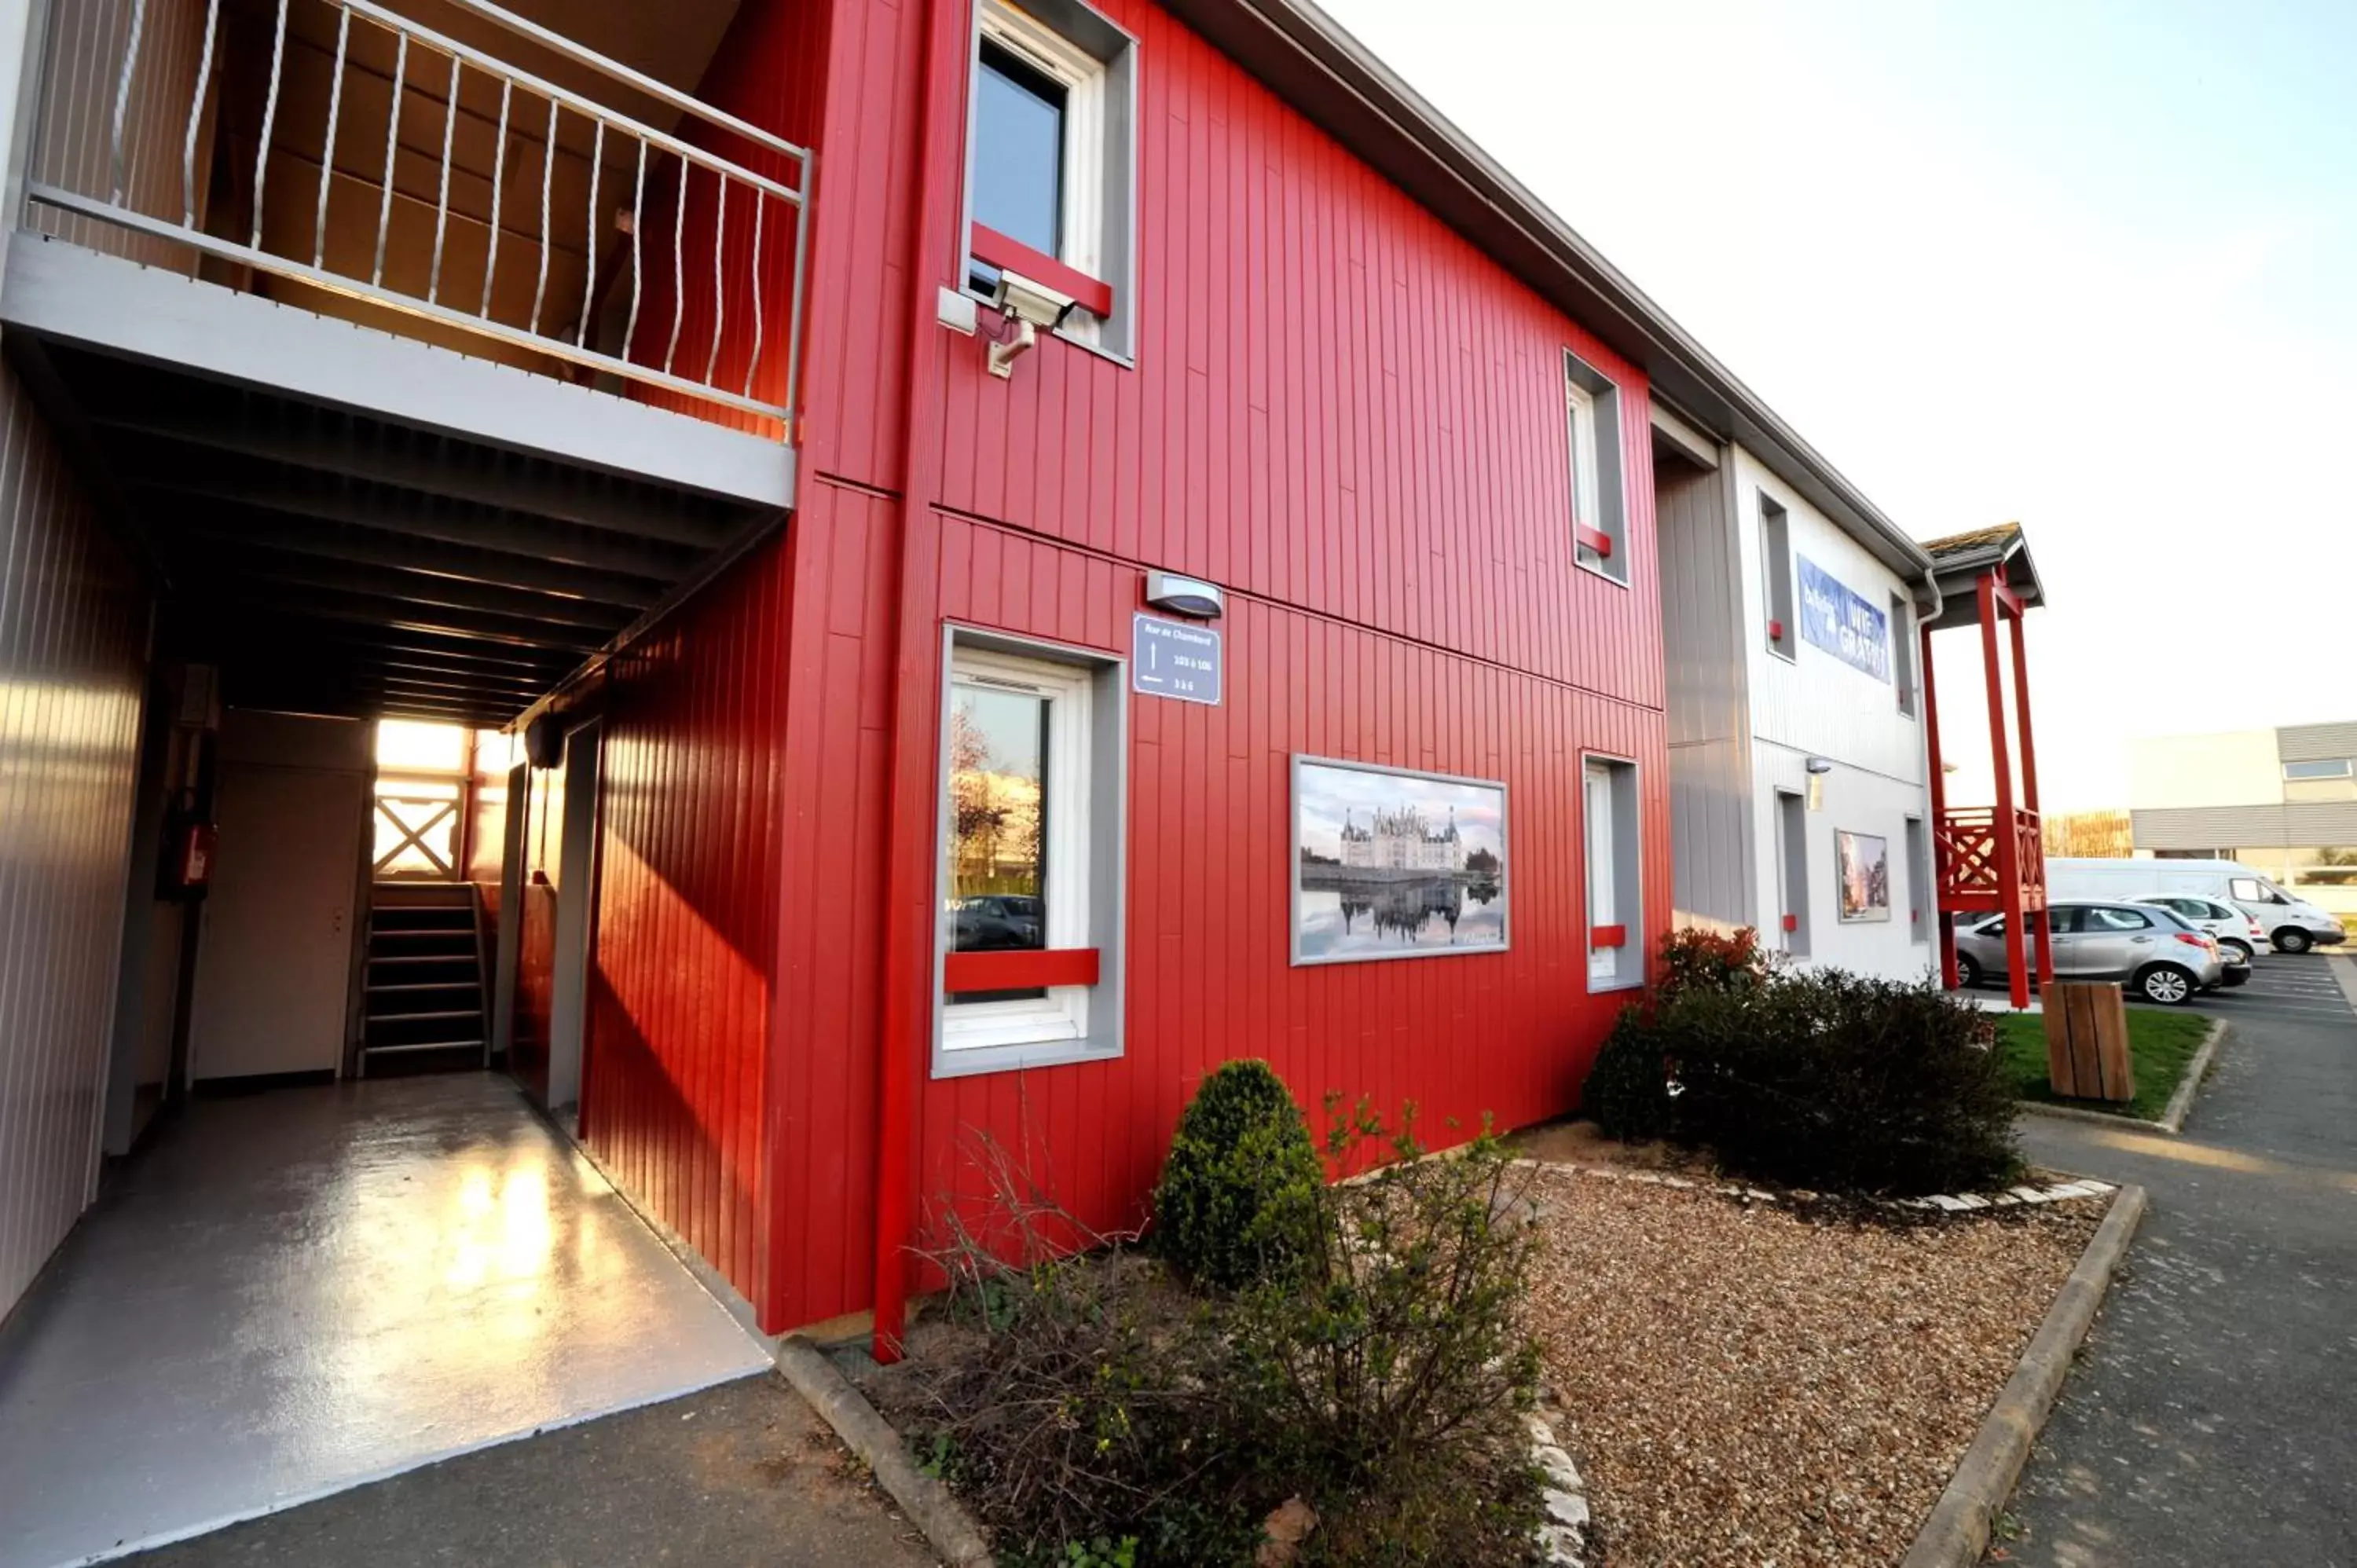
[{"x": 1748, "y": 1384}]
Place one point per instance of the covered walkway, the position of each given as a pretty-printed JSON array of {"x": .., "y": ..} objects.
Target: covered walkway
[{"x": 293, "y": 1292}]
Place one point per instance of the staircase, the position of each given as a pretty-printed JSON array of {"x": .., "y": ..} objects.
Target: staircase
[{"x": 424, "y": 1002}]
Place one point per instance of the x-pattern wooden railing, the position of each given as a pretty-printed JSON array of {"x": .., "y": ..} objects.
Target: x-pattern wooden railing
[{"x": 413, "y": 834}]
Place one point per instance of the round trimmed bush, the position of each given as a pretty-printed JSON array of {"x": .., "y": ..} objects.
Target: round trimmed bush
[{"x": 1235, "y": 1199}]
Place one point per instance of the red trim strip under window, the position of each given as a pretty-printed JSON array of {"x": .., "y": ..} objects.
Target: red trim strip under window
[
  {"x": 1600, "y": 543},
  {"x": 989, "y": 245},
  {"x": 1021, "y": 971},
  {"x": 1608, "y": 937}
]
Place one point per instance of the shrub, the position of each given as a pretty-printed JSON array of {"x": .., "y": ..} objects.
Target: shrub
[
  {"x": 1693, "y": 959},
  {"x": 1242, "y": 1166},
  {"x": 1389, "y": 1370},
  {"x": 1628, "y": 1090},
  {"x": 1628, "y": 1093},
  {"x": 1827, "y": 1079}
]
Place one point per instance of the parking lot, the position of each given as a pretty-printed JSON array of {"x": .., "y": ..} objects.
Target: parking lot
[{"x": 2285, "y": 985}]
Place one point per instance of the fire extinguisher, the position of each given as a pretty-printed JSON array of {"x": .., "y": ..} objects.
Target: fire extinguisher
[{"x": 186, "y": 863}]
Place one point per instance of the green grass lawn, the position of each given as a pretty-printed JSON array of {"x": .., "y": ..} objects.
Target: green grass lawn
[{"x": 2160, "y": 1046}]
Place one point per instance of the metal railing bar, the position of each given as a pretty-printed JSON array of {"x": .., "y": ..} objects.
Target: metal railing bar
[
  {"x": 719, "y": 281},
  {"x": 678, "y": 273},
  {"x": 230, "y": 250},
  {"x": 589, "y": 108},
  {"x": 196, "y": 116},
  {"x": 270, "y": 119},
  {"x": 760, "y": 210},
  {"x": 328, "y": 149},
  {"x": 123, "y": 95},
  {"x": 589, "y": 269},
  {"x": 442, "y": 197},
  {"x": 547, "y": 168},
  {"x": 558, "y": 44},
  {"x": 638, "y": 263},
  {"x": 498, "y": 172},
  {"x": 794, "y": 322},
  {"x": 391, "y": 144}
]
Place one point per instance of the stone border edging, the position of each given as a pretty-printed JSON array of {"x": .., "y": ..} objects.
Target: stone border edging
[
  {"x": 2172, "y": 1117},
  {"x": 1957, "y": 1532},
  {"x": 948, "y": 1528}
]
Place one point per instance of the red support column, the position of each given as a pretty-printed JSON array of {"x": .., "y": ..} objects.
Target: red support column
[
  {"x": 1930, "y": 896},
  {"x": 2036, "y": 844},
  {"x": 2009, "y": 841}
]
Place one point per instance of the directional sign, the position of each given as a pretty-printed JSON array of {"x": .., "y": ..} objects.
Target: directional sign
[{"x": 1173, "y": 659}]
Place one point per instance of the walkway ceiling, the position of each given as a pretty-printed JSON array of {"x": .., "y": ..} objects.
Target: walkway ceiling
[{"x": 328, "y": 562}]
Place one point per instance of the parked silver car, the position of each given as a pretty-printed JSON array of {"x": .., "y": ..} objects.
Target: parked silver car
[
  {"x": 2236, "y": 930},
  {"x": 2152, "y": 950}
]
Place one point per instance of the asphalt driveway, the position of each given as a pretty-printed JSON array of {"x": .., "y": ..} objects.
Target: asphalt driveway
[{"x": 2213, "y": 1415}]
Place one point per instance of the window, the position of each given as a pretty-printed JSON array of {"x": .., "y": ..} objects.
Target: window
[
  {"x": 1030, "y": 857},
  {"x": 1598, "y": 526},
  {"x": 1793, "y": 870},
  {"x": 1922, "y": 907},
  {"x": 1776, "y": 571},
  {"x": 2105, "y": 918},
  {"x": 2338, "y": 767},
  {"x": 1616, "y": 949},
  {"x": 1903, "y": 652},
  {"x": 1050, "y": 153}
]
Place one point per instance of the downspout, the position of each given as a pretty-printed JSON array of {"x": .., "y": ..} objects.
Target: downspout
[{"x": 910, "y": 918}]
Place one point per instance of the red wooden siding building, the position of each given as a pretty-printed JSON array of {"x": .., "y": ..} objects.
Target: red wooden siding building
[
  {"x": 850, "y": 814},
  {"x": 1338, "y": 411}
]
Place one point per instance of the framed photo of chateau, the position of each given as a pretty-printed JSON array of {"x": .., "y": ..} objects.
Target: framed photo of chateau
[{"x": 1389, "y": 863}]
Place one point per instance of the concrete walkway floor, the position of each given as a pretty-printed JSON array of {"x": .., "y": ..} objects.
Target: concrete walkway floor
[
  {"x": 742, "y": 1476},
  {"x": 294, "y": 1291},
  {"x": 2212, "y": 1416}
]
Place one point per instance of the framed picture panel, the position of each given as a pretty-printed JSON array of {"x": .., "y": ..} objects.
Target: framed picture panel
[
  {"x": 1862, "y": 862},
  {"x": 1389, "y": 863}
]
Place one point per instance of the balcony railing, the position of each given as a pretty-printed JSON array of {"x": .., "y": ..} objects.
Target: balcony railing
[
  {"x": 1968, "y": 839},
  {"x": 399, "y": 168}
]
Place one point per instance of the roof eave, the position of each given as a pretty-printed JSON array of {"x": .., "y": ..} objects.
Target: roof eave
[{"x": 1309, "y": 59}]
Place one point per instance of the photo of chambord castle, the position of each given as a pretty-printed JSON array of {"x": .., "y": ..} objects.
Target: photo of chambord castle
[{"x": 1399, "y": 842}]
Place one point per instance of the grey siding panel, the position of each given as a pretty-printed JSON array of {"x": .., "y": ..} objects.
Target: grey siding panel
[
  {"x": 1710, "y": 754},
  {"x": 1700, "y": 622},
  {"x": 2316, "y": 742},
  {"x": 2314, "y": 825},
  {"x": 1710, "y": 830},
  {"x": 73, "y": 627}
]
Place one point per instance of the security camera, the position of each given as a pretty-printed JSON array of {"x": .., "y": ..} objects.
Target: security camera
[
  {"x": 1033, "y": 302},
  {"x": 1028, "y": 307}
]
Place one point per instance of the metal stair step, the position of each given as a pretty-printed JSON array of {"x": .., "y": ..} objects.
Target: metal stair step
[{"x": 410, "y": 1047}]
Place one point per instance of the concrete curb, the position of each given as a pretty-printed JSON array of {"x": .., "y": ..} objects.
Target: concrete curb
[
  {"x": 2180, "y": 1105},
  {"x": 1957, "y": 1531},
  {"x": 929, "y": 1505},
  {"x": 2172, "y": 1116}
]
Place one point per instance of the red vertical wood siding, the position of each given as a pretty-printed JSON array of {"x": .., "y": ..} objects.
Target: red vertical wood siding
[
  {"x": 1340, "y": 411},
  {"x": 687, "y": 914}
]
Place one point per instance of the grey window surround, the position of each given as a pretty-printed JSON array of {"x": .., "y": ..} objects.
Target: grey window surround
[
  {"x": 1611, "y": 478},
  {"x": 1108, "y": 834}
]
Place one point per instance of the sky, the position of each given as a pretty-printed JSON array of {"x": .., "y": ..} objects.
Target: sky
[{"x": 2091, "y": 266}]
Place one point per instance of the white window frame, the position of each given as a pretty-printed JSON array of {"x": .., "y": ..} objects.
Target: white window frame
[
  {"x": 1081, "y": 240},
  {"x": 2341, "y": 763},
  {"x": 1586, "y": 497},
  {"x": 1063, "y": 1013},
  {"x": 1623, "y": 867}
]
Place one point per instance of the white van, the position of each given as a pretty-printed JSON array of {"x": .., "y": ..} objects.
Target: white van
[{"x": 2292, "y": 925}]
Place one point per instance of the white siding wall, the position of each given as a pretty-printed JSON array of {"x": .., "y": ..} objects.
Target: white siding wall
[
  {"x": 1815, "y": 704},
  {"x": 73, "y": 629}
]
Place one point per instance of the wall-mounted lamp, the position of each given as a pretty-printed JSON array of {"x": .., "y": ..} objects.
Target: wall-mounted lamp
[
  {"x": 1821, "y": 765},
  {"x": 1183, "y": 595}
]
